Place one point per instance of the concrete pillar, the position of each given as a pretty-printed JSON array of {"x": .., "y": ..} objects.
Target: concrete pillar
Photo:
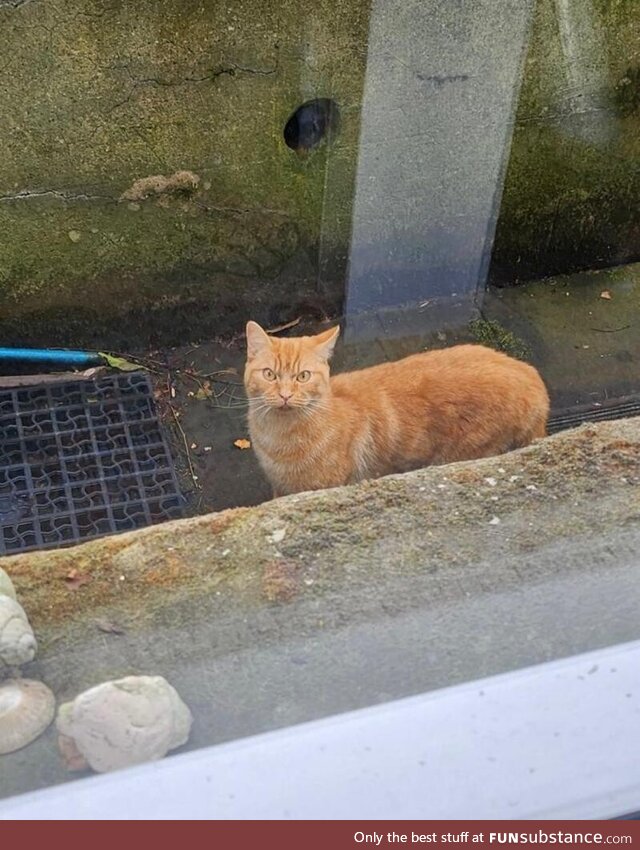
[{"x": 441, "y": 87}]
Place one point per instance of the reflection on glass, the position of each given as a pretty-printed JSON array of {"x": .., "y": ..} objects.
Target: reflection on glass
[{"x": 317, "y": 604}]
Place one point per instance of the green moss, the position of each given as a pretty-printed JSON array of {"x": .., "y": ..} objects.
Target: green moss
[
  {"x": 493, "y": 335},
  {"x": 568, "y": 204}
]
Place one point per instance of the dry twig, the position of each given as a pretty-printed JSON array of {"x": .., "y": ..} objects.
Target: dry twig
[
  {"x": 192, "y": 471},
  {"x": 285, "y": 327}
]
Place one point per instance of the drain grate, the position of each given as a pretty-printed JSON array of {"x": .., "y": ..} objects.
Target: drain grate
[
  {"x": 620, "y": 408},
  {"x": 81, "y": 459}
]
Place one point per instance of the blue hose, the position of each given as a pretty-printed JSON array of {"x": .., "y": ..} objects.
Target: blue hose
[{"x": 52, "y": 355}]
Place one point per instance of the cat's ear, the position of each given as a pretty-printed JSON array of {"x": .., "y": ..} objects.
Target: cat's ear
[
  {"x": 257, "y": 339},
  {"x": 326, "y": 342}
]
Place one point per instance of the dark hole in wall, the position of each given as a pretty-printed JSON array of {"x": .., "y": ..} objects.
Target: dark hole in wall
[{"x": 312, "y": 122}]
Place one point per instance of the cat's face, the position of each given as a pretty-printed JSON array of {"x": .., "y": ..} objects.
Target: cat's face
[{"x": 287, "y": 375}]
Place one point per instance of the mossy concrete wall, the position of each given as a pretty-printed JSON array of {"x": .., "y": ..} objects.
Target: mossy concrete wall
[
  {"x": 99, "y": 93},
  {"x": 571, "y": 194}
]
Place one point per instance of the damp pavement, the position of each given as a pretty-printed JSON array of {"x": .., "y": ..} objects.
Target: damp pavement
[{"x": 580, "y": 330}]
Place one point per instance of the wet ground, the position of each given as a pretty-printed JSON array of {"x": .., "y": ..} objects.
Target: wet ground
[{"x": 582, "y": 331}]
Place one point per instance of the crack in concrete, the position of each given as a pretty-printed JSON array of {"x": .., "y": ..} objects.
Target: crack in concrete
[
  {"x": 227, "y": 70},
  {"x": 230, "y": 70},
  {"x": 26, "y": 194}
]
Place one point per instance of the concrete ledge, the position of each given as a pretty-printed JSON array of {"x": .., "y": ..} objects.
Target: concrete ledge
[
  {"x": 435, "y": 521},
  {"x": 329, "y": 601}
]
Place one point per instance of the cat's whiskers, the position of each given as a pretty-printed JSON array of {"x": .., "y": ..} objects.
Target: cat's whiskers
[
  {"x": 261, "y": 408},
  {"x": 306, "y": 411},
  {"x": 319, "y": 404}
]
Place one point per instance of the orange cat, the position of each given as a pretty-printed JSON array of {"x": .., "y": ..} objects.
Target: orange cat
[{"x": 311, "y": 431}]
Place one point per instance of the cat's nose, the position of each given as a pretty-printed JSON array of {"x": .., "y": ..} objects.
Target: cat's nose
[{"x": 285, "y": 396}]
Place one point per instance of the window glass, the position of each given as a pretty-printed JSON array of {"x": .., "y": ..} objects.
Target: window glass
[{"x": 422, "y": 172}]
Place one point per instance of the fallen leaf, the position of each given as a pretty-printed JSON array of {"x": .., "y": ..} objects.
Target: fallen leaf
[
  {"x": 119, "y": 362},
  {"x": 108, "y": 627},
  {"x": 74, "y": 579},
  {"x": 285, "y": 327},
  {"x": 202, "y": 393},
  {"x": 606, "y": 295},
  {"x": 242, "y": 444}
]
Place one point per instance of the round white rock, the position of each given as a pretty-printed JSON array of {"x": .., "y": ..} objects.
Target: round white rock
[{"x": 121, "y": 723}]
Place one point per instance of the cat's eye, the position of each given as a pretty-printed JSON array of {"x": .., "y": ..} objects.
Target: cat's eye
[
  {"x": 304, "y": 376},
  {"x": 269, "y": 374}
]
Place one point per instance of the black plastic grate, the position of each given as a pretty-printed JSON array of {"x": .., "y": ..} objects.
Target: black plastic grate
[
  {"x": 81, "y": 459},
  {"x": 620, "y": 408}
]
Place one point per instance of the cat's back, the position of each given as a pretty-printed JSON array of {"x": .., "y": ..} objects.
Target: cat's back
[
  {"x": 453, "y": 367},
  {"x": 449, "y": 404}
]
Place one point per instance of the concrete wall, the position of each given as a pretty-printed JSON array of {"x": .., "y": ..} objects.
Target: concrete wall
[
  {"x": 571, "y": 195},
  {"x": 99, "y": 93}
]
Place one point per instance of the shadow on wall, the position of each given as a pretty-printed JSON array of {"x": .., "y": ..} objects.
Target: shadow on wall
[{"x": 571, "y": 190}]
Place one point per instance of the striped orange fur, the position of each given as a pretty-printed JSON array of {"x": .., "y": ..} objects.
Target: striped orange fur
[{"x": 311, "y": 431}]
